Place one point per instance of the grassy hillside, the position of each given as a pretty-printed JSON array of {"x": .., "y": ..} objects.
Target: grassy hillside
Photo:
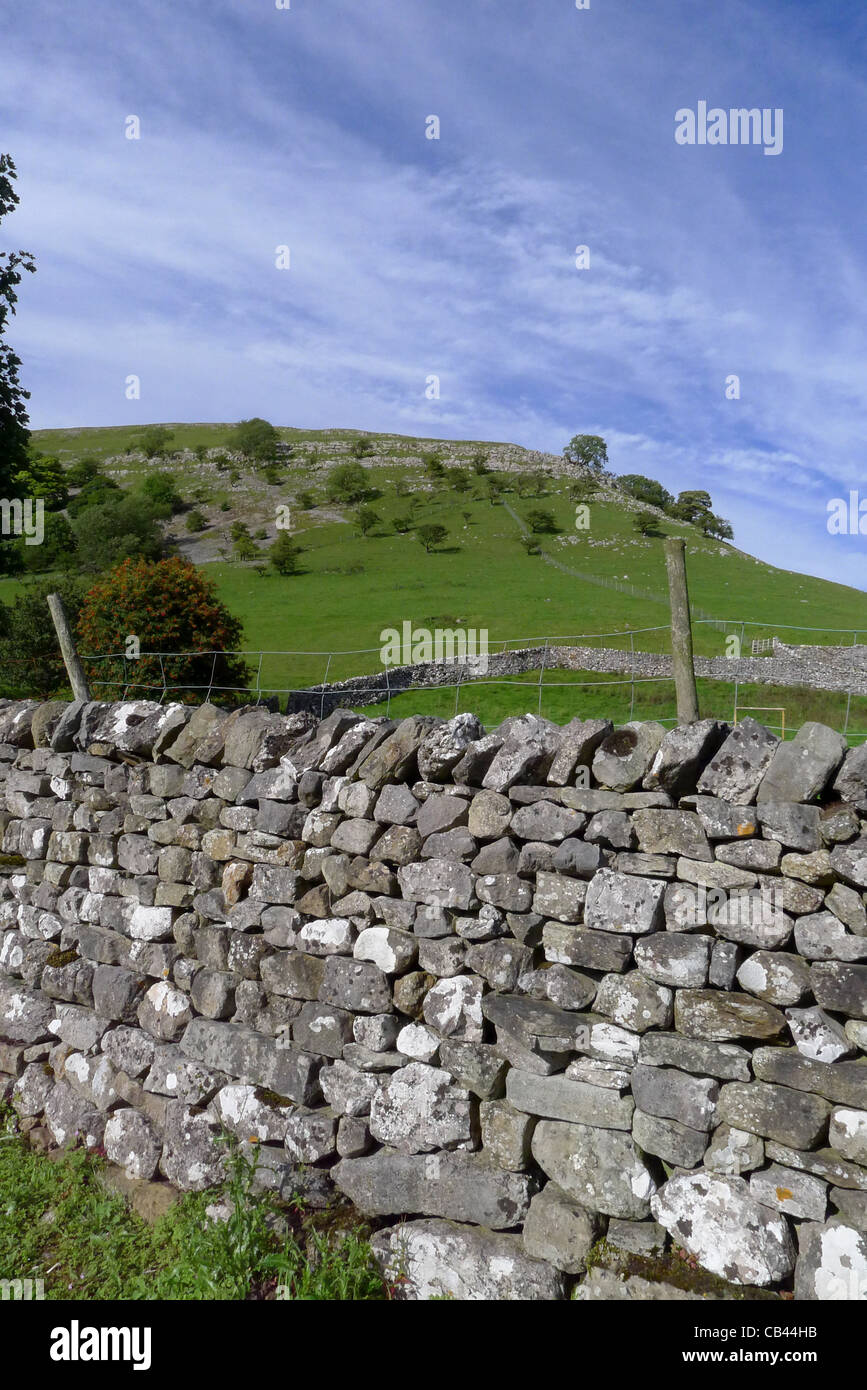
[{"x": 349, "y": 587}]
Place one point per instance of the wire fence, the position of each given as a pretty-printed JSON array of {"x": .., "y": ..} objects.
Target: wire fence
[{"x": 830, "y": 677}]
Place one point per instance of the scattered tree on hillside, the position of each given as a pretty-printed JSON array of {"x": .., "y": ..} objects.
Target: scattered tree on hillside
[
  {"x": 530, "y": 544},
  {"x": 154, "y": 441},
  {"x": 361, "y": 448},
  {"x": 495, "y": 485},
  {"x": 716, "y": 527},
  {"x": 646, "y": 490},
  {"x": 245, "y": 548},
  {"x": 365, "y": 520},
  {"x": 256, "y": 439},
  {"x": 479, "y": 461},
  {"x": 56, "y": 552},
  {"x": 284, "y": 553},
  {"x": 94, "y": 494},
  {"x": 170, "y": 606},
  {"x": 402, "y": 524},
  {"x": 691, "y": 506},
  {"x": 431, "y": 535},
  {"x": 306, "y": 501},
  {"x": 433, "y": 466},
  {"x": 645, "y": 524},
  {"x": 587, "y": 451},
  {"x": 541, "y": 521},
  {"x": 195, "y": 520},
  {"x": 458, "y": 479},
  {"x": 348, "y": 482},
  {"x": 84, "y": 470},
  {"x": 201, "y": 452},
  {"x": 162, "y": 494}
]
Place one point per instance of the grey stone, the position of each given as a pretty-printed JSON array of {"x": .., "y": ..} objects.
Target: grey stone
[
  {"x": 676, "y": 1144},
  {"x": 844, "y": 1083},
  {"x": 626, "y": 755},
  {"x": 802, "y": 767},
  {"x": 850, "y": 783},
  {"x": 477, "y": 1066},
  {"x": 775, "y": 976},
  {"x": 602, "y": 1169},
  {"x": 460, "y": 1187},
  {"x": 731, "y": 1234},
  {"x": 623, "y": 903},
  {"x": 674, "y": 958},
  {"x": 559, "y": 1230},
  {"x": 734, "y": 1151},
  {"x": 736, "y": 770},
  {"x": 832, "y": 1263},
  {"x": 676, "y": 1095},
  {"x": 795, "y": 827},
  {"x": 594, "y": 950},
  {"x": 794, "y": 1118},
  {"x": 787, "y": 1190},
  {"x": 437, "y": 1259},
  {"x": 454, "y": 1008},
  {"x": 253, "y": 1058},
  {"x": 359, "y": 986},
  {"x": 682, "y": 754},
  {"x": 556, "y": 1098},
  {"x": 672, "y": 832},
  {"x": 841, "y": 988},
  {"x": 818, "y": 1036},
  {"x": 437, "y": 882},
  {"x": 421, "y": 1109},
  {"x": 634, "y": 1002},
  {"x": 718, "y": 1017},
  {"x": 131, "y": 1142}
]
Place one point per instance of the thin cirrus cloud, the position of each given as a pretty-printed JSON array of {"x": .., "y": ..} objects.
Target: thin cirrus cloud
[{"x": 409, "y": 257}]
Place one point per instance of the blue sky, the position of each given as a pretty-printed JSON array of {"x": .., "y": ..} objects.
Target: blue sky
[{"x": 410, "y": 257}]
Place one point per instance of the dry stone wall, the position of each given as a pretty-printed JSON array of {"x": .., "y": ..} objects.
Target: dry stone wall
[{"x": 514, "y": 993}]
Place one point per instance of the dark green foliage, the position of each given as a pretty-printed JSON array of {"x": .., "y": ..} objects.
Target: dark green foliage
[
  {"x": 256, "y": 439},
  {"x": 587, "y": 451},
  {"x": 29, "y": 652},
  {"x": 646, "y": 490},
  {"x": 94, "y": 494},
  {"x": 284, "y": 554},
  {"x": 432, "y": 535}
]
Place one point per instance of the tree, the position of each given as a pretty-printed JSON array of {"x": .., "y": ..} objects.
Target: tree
[
  {"x": 433, "y": 466},
  {"x": 42, "y": 476},
  {"x": 646, "y": 490},
  {"x": 691, "y": 506},
  {"x": 195, "y": 520},
  {"x": 161, "y": 492},
  {"x": 284, "y": 554},
  {"x": 94, "y": 494},
  {"x": 306, "y": 501},
  {"x": 57, "y": 551},
  {"x": 458, "y": 479},
  {"x": 530, "y": 544},
  {"x": 154, "y": 441},
  {"x": 245, "y": 549},
  {"x": 645, "y": 523},
  {"x": 365, "y": 520},
  {"x": 582, "y": 490},
  {"x": 116, "y": 531},
  {"x": 432, "y": 535},
  {"x": 84, "y": 470},
  {"x": 716, "y": 527},
  {"x": 496, "y": 486},
  {"x": 402, "y": 524},
  {"x": 171, "y": 607},
  {"x": 256, "y": 439},
  {"x": 14, "y": 422},
  {"x": 587, "y": 451},
  {"x": 479, "y": 461},
  {"x": 28, "y": 642},
  {"x": 541, "y": 521},
  {"x": 201, "y": 452},
  {"x": 348, "y": 482},
  {"x": 239, "y": 529},
  {"x": 361, "y": 448}
]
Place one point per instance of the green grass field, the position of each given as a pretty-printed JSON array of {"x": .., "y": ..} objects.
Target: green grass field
[{"x": 350, "y": 588}]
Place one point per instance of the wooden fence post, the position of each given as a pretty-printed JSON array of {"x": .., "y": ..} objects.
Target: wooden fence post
[
  {"x": 74, "y": 669},
  {"x": 681, "y": 631}
]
